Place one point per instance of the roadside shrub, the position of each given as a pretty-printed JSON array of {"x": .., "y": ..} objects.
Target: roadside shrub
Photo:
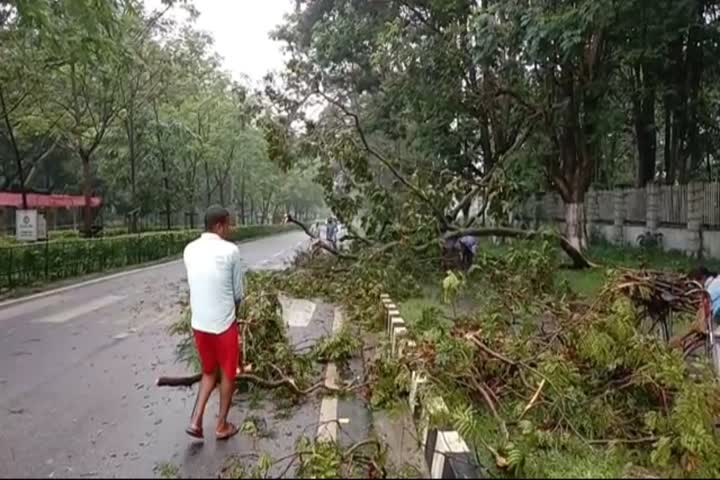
[{"x": 30, "y": 264}]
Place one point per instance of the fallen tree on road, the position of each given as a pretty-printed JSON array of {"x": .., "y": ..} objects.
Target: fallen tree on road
[{"x": 375, "y": 247}]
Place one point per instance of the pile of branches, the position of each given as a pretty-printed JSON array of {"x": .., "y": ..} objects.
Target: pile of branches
[
  {"x": 316, "y": 458},
  {"x": 532, "y": 401},
  {"x": 594, "y": 394},
  {"x": 660, "y": 294},
  {"x": 275, "y": 364}
]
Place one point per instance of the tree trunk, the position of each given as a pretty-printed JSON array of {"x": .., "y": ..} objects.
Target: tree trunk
[
  {"x": 646, "y": 136},
  {"x": 16, "y": 149},
  {"x": 87, "y": 193},
  {"x": 695, "y": 69},
  {"x": 130, "y": 130},
  {"x": 207, "y": 184},
  {"x": 667, "y": 154},
  {"x": 252, "y": 209},
  {"x": 163, "y": 167},
  {"x": 575, "y": 225},
  {"x": 166, "y": 187},
  {"x": 242, "y": 200},
  {"x": 266, "y": 209}
]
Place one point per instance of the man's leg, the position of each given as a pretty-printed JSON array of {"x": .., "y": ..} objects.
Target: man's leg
[
  {"x": 227, "y": 388},
  {"x": 229, "y": 352},
  {"x": 209, "y": 364},
  {"x": 207, "y": 385}
]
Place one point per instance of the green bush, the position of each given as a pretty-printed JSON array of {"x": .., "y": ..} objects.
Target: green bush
[{"x": 30, "y": 264}]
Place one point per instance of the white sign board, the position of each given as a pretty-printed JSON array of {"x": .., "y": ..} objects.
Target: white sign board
[
  {"x": 41, "y": 227},
  {"x": 26, "y": 225}
]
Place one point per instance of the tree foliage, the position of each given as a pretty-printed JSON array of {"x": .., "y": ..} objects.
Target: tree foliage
[
  {"x": 135, "y": 107},
  {"x": 434, "y": 107}
]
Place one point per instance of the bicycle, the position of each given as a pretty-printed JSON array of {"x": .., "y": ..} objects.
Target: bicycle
[{"x": 702, "y": 335}]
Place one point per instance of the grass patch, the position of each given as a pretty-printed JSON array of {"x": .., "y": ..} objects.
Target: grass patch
[
  {"x": 648, "y": 258},
  {"x": 412, "y": 309},
  {"x": 167, "y": 470},
  {"x": 586, "y": 283}
]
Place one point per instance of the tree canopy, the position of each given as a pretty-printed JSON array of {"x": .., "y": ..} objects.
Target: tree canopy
[
  {"x": 446, "y": 104},
  {"x": 102, "y": 97}
]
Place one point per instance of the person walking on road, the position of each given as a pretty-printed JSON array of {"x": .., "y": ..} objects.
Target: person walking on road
[{"x": 215, "y": 276}]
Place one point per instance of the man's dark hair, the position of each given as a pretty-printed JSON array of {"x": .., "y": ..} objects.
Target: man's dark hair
[{"x": 216, "y": 215}]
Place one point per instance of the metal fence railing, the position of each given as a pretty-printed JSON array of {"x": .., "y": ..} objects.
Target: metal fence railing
[{"x": 27, "y": 264}]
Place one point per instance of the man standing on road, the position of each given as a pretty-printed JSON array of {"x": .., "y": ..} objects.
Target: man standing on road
[{"x": 215, "y": 275}]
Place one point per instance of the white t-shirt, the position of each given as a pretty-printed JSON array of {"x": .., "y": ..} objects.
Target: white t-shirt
[{"x": 215, "y": 275}]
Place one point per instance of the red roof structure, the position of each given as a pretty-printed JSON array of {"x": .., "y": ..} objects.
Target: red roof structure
[{"x": 44, "y": 200}]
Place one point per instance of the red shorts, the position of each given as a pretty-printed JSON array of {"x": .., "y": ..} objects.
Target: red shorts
[{"x": 219, "y": 350}]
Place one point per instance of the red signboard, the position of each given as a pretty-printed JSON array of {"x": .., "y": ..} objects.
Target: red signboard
[{"x": 41, "y": 200}]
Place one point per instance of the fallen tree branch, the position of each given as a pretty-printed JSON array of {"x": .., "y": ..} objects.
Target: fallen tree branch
[
  {"x": 319, "y": 243},
  {"x": 286, "y": 382},
  {"x": 624, "y": 441},
  {"x": 579, "y": 260},
  {"x": 485, "y": 393},
  {"x": 488, "y": 350},
  {"x": 289, "y": 219},
  {"x": 533, "y": 399}
]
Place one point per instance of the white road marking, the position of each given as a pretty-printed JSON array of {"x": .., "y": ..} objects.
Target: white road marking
[
  {"x": 328, "y": 423},
  {"x": 297, "y": 313},
  {"x": 328, "y": 428},
  {"x": 83, "y": 309}
]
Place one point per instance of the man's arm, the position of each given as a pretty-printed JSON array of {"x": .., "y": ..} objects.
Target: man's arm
[{"x": 238, "y": 277}]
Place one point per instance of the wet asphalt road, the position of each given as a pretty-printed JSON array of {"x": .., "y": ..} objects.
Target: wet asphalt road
[{"x": 77, "y": 373}]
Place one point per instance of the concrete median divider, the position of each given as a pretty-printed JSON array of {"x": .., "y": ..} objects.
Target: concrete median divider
[{"x": 447, "y": 455}]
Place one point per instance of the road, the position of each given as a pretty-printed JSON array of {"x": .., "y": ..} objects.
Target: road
[{"x": 77, "y": 373}]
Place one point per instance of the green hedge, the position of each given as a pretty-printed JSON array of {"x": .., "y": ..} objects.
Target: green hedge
[
  {"x": 70, "y": 234},
  {"x": 30, "y": 264}
]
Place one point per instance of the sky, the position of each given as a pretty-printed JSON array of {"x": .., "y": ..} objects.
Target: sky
[{"x": 241, "y": 30}]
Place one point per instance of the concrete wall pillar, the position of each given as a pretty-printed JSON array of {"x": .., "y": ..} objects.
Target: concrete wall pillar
[
  {"x": 696, "y": 192},
  {"x": 537, "y": 210},
  {"x": 652, "y": 209},
  {"x": 619, "y": 217},
  {"x": 592, "y": 213}
]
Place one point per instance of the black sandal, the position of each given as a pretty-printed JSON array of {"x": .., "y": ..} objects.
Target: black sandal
[
  {"x": 234, "y": 430},
  {"x": 195, "y": 432}
]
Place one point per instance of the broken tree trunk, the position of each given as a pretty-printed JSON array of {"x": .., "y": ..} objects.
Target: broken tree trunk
[
  {"x": 579, "y": 260},
  {"x": 286, "y": 382}
]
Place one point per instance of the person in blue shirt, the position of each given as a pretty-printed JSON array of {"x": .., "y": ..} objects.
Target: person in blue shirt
[
  {"x": 468, "y": 248},
  {"x": 711, "y": 282},
  {"x": 463, "y": 248},
  {"x": 331, "y": 232}
]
